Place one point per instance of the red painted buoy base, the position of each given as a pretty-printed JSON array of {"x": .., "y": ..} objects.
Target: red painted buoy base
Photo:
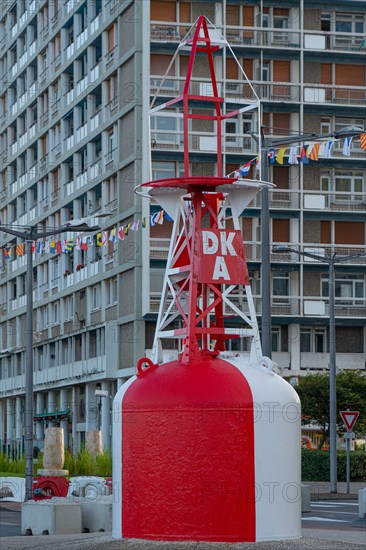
[{"x": 188, "y": 454}]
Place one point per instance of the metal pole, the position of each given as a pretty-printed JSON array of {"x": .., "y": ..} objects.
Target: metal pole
[
  {"x": 332, "y": 383},
  {"x": 29, "y": 377},
  {"x": 266, "y": 258},
  {"x": 348, "y": 445}
]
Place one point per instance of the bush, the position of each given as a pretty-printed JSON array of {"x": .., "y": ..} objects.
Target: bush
[{"x": 315, "y": 465}]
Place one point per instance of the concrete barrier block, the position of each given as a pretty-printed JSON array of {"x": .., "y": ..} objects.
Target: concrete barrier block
[
  {"x": 305, "y": 498},
  {"x": 97, "y": 516},
  {"x": 12, "y": 489},
  {"x": 362, "y": 503},
  {"x": 53, "y": 517}
]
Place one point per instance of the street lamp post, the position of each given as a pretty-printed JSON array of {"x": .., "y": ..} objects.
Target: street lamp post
[
  {"x": 29, "y": 234},
  {"x": 329, "y": 259},
  {"x": 266, "y": 144}
]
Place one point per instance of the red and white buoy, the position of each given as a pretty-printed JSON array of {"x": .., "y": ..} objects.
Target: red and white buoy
[{"x": 206, "y": 447}]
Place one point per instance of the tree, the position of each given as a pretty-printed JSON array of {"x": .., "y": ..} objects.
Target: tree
[{"x": 313, "y": 391}]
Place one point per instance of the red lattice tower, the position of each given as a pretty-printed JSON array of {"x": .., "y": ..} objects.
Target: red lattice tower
[{"x": 206, "y": 272}]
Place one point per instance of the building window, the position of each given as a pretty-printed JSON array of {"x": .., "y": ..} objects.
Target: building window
[
  {"x": 111, "y": 291},
  {"x": 96, "y": 297},
  {"x": 54, "y": 313},
  {"x": 281, "y": 287},
  {"x": 349, "y": 185},
  {"x": 65, "y": 349},
  {"x": 349, "y": 289},
  {"x": 162, "y": 169},
  {"x": 313, "y": 340},
  {"x": 166, "y": 128},
  {"x": 276, "y": 339},
  {"x": 92, "y": 343},
  {"x": 68, "y": 307},
  {"x": 54, "y": 272},
  {"x": 78, "y": 347}
]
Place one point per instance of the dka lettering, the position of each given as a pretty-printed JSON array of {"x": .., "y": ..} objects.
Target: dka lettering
[{"x": 211, "y": 245}]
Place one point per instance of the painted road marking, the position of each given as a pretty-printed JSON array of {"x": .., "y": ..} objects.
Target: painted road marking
[
  {"x": 338, "y": 503},
  {"x": 325, "y": 519},
  {"x": 345, "y": 513}
]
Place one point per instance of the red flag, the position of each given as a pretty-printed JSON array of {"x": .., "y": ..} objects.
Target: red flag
[
  {"x": 363, "y": 141},
  {"x": 303, "y": 157},
  {"x": 314, "y": 155}
]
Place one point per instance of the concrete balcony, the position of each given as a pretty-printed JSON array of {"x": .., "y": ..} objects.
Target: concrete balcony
[
  {"x": 71, "y": 371},
  {"x": 329, "y": 94},
  {"x": 320, "y": 361}
]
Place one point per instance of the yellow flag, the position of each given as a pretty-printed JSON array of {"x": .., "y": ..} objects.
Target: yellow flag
[{"x": 280, "y": 155}]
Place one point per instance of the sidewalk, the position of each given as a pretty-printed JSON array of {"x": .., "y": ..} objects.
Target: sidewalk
[
  {"x": 319, "y": 490},
  {"x": 312, "y": 539},
  {"x": 104, "y": 541}
]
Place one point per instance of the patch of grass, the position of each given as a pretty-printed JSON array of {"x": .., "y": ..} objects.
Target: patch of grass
[
  {"x": 81, "y": 463},
  {"x": 85, "y": 464},
  {"x": 12, "y": 465}
]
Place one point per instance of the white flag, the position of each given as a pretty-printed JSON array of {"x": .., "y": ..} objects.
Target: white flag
[
  {"x": 292, "y": 157},
  {"x": 347, "y": 146}
]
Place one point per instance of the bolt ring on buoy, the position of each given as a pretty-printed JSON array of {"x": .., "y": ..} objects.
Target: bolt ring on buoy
[{"x": 143, "y": 361}]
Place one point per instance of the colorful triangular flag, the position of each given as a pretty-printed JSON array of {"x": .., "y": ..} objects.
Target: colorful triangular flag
[
  {"x": 292, "y": 157},
  {"x": 363, "y": 141},
  {"x": 159, "y": 217},
  {"x": 244, "y": 170},
  {"x": 112, "y": 236},
  {"x": 303, "y": 158},
  {"x": 347, "y": 146},
  {"x": 121, "y": 235},
  {"x": 20, "y": 249},
  {"x": 328, "y": 148},
  {"x": 314, "y": 154},
  {"x": 322, "y": 149},
  {"x": 272, "y": 155},
  {"x": 280, "y": 155}
]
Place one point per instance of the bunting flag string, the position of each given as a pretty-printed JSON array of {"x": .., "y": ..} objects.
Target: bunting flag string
[
  {"x": 299, "y": 154},
  {"x": 100, "y": 239}
]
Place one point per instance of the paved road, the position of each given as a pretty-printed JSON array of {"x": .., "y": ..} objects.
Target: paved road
[
  {"x": 342, "y": 514},
  {"x": 9, "y": 522},
  {"x": 336, "y": 520},
  {"x": 329, "y": 525}
]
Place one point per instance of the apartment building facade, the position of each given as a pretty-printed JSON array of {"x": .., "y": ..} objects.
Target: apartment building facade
[{"x": 76, "y": 81}]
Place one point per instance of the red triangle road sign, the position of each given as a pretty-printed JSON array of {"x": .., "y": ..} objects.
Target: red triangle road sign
[{"x": 349, "y": 418}]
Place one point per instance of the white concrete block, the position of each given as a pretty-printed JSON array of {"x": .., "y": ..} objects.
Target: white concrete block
[
  {"x": 97, "y": 516},
  {"x": 90, "y": 487},
  {"x": 362, "y": 503},
  {"x": 15, "y": 486},
  {"x": 305, "y": 498},
  {"x": 55, "y": 516}
]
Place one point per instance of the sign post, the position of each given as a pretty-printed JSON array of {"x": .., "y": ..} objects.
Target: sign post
[{"x": 349, "y": 419}]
